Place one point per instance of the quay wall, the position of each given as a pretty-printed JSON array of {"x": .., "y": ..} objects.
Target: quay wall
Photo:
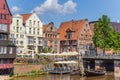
[{"x": 24, "y": 68}]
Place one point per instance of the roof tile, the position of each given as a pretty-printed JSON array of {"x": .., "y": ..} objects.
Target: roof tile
[{"x": 76, "y": 25}]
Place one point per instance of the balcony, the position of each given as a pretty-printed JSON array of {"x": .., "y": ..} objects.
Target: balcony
[
  {"x": 40, "y": 45},
  {"x": 30, "y": 44}
]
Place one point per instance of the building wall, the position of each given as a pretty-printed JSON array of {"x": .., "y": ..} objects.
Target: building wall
[
  {"x": 85, "y": 38},
  {"x": 33, "y": 27},
  {"x": 51, "y": 38},
  {"x": 76, "y": 42},
  {"x": 17, "y": 33},
  {"x": 25, "y": 68},
  {"x": 5, "y": 12},
  {"x": 7, "y": 49}
]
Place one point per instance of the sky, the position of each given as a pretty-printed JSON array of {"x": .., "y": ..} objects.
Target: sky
[{"x": 59, "y": 11}]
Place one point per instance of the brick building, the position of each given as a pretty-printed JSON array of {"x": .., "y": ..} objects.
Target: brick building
[
  {"x": 51, "y": 37},
  {"x": 114, "y": 25},
  {"x": 7, "y": 49},
  {"x": 75, "y": 35}
]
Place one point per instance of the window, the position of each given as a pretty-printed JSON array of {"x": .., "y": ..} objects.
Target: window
[
  {"x": 4, "y": 7},
  {"x": 38, "y": 31},
  {"x": 51, "y": 28},
  {"x": 3, "y": 27},
  {"x": 17, "y": 35},
  {"x": 45, "y": 44},
  {"x": 34, "y": 40},
  {"x": 1, "y": 61},
  {"x": 21, "y": 42},
  {"x": 17, "y": 22},
  {"x": 50, "y": 41},
  {"x": 17, "y": 42},
  {"x": 34, "y": 23},
  {"x": 5, "y": 16},
  {"x": 17, "y": 29},
  {"x": 30, "y": 30},
  {"x": 3, "y": 37},
  {"x": 0, "y": 16},
  {"x": 10, "y": 50},
  {"x": 68, "y": 36},
  {"x": 3, "y": 50},
  {"x": 8, "y": 61},
  {"x": 21, "y": 36},
  {"x": 33, "y": 31},
  {"x": 38, "y": 23},
  {"x": 30, "y": 22},
  {"x": 40, "y": 41},
  {"x": 55, "y": 46}
]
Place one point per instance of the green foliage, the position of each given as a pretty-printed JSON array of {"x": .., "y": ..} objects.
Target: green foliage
[
  {"x": 46, "y": 50},
  {"x": 104, "y": 36}
]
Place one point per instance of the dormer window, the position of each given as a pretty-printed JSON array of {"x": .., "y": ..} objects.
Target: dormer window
[
  {"x": 70, "y": 33},
  {"x": 69, "y": 36}
]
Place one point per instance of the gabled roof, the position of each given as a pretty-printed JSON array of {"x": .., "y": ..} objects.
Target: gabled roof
[
  {"x": 8, "y": 7},
  {"x": 76, "y": 25},
  {"x": 26, "y": 16},
  {"x": 47, "y": 27}
]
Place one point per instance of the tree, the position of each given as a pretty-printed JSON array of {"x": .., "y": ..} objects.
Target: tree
[
  {"x": 46, "y": 50},
  {"x": 104, "y": 36}
]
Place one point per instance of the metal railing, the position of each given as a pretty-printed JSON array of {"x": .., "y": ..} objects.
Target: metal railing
[{"x": 103, "y": 56}]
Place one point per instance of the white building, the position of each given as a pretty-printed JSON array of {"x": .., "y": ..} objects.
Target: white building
[
  {"x": 32, "y": 31},
  {"x": 17, "y": 33}
]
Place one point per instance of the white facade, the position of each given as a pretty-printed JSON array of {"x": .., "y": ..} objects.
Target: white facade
[
  {"x": 32, "y": 31},
  {"x": 17, "y": 33},
  {"x": 33, "y": 27}
]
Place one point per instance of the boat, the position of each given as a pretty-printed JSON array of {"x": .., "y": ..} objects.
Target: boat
[
  {"x": 62, "y": 67},
  {"x": 75, "y": 72},
  {"x": 63, "y": 63},
  {"x": 90, "y": 73}
]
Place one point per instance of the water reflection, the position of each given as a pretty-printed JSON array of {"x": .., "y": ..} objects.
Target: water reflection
[{"x": 68, "y": 77}]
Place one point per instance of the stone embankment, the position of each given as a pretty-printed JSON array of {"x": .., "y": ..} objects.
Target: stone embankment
[{"x": 24, "y": 68}]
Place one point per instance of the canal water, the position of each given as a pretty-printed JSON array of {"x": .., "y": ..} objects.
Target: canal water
[{"x": 109, "y": 76}]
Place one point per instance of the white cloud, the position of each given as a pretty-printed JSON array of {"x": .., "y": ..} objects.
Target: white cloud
[
  {"x": 15, "y": 9},
  {"x": 52, "y": 6}
]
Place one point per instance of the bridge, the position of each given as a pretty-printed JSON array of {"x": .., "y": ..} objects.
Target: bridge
[
  {"x": 110, "y": 62},
  {"x": 108, "y": 57}
]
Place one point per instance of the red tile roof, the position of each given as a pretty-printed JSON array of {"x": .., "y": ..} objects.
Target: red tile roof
[
  {"x": 76, "y": 25},
  {"x": 26, "y": 16}
]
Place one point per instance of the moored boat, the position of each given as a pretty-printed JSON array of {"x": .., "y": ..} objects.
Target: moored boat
[{"x": 90, "y": 73}]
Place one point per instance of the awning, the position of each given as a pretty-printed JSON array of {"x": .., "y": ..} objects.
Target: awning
[
  {"x": 59, "y": 54},
  {"x": 66, "y": 62}
]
